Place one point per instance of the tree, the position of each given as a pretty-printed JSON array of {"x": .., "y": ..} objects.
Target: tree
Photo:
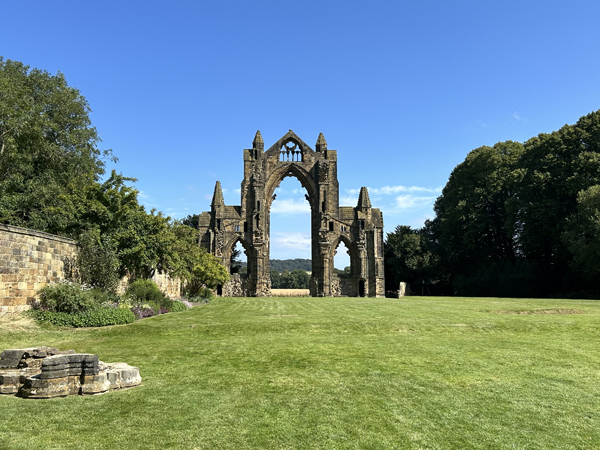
[
  {"x": 48, "y": 147},
  {"x": 556, "y": 166},
  {"x": 192, "y": 221},
  {"x": 472, "y": 226},
  {"x": 275, "y": 280},
  {"x": 408, "y": 258},
  {"x": 582, "y": 234}
]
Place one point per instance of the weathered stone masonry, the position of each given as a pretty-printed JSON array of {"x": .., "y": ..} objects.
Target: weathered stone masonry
[
  {"x": 30, "y": 259},
  {"x": 360, "y": 227}
]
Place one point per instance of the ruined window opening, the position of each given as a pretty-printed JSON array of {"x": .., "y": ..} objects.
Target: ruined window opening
[
  {"x": 237, "y": 228},
  {"x": 290, "y": 152},
  {"x": 245, "y": 227},
  {"x": 342, "y": 265},
  {"x": 323, "y": 207},
  {"x": 258, "y": 205},
  {"x": 362, "y": 224},
  {"x": 343, "y": 228},
  {"x": 330, "y": 226},
  {"x": 238, "y": 260},
  {"x": 218, "y": 224}
]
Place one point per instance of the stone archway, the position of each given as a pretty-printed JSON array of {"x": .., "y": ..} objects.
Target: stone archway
[{"x": 360, "y": 227}]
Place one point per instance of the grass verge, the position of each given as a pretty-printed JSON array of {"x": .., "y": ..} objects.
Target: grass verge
[{"x": 344, "y": 373}]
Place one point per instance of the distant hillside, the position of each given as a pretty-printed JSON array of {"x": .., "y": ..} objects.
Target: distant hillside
[{"x": 289, "y": 264}]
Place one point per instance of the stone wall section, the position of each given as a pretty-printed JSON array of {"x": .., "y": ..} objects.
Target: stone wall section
[
  {"x": 171, "y": 287},
  {"x": 29, "y": 260},
  {"x": 343, "y": 287},
  {"x": 237, "y": 286}
]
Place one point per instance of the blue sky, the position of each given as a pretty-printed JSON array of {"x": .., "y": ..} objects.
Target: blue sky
[{"x": 402, "y": 90}]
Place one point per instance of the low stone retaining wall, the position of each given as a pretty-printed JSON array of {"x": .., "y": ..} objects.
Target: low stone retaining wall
[{"x": 30, "y": 259}]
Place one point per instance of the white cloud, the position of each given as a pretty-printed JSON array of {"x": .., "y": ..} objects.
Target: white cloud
[
  {"x": 388, "y": 190},
  {"x": 409, "y": 201},
  {"x": 290, "y": 206},
  {"x": 294, "y": 240},
  {"x": 348, "y": 200}
]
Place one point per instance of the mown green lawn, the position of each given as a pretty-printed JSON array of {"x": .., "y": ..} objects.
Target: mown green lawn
[{"x": 304, "y": 373}]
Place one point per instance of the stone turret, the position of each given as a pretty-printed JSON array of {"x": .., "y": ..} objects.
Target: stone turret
[
  {"x": 364, "y": 202},
  {"x": 321, "y": 145},
  {"x": 258, "y": 143},
  {"x": 217, "y": 199}
]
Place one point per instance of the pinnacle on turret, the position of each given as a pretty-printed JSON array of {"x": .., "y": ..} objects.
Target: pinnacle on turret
[
  {"x": 363, "y": 199},
  {"x": 321, "y": 145},
  {"x": 217, "y": 199},
  {"x": 258, "y": 143}
]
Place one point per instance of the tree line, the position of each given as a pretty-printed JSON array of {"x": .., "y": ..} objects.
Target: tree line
[
  {"x": 52, "y": 178},
  {"x": 515, "y": 219}
]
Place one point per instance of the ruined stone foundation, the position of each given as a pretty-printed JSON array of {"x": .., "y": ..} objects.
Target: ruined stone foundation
[{"x": 47, "y": 372}]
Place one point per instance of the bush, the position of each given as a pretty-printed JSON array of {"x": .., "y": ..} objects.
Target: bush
[
  {"x": 146, "y": 291},
  {"x": 143, "y": 311},
  {"x": 67, "y": 297},
  {"x": 103, "y": 298},
  {"x": 97, "y": 261},
  {"x": 178, "y": 306},
  {"x": 97, "y": 318},
  {"x": 205, "y": 293}
]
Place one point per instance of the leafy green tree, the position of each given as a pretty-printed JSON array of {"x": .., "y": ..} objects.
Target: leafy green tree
[
  {"x": 48, "y": 147},
  {"x": 301, "y": 279},
  {"x": 408, "y": 258},
  {"x": 275, "y": 280},
  {"x": 97, "y": 261},
  {"x": 472, "y": 226},
  {"x": 582, "y": 234},
  {"x": 196, "y": 267},
  {"x": 192, "y": 221},
  {"x": 556, "y": 166}
]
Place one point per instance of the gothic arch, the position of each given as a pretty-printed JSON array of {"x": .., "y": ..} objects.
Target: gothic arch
[
  {"x": 291, "y": 170},
  {"x": 360, "y": 227},
  {"x": 229, "y": 249}
]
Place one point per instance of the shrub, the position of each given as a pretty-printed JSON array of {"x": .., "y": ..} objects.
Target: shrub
[
  {"x": 103, "y": 298},
  {"x": 67, "y": 297},
  {"x": 146, "y": 291},
  {"x": 97, "y": 261},
  {"x": 142, "y": 311},
  {"x": 178, "y": 306},
  {"x": 205, "y": 293},
  {"x": 97, "y": 318}
]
